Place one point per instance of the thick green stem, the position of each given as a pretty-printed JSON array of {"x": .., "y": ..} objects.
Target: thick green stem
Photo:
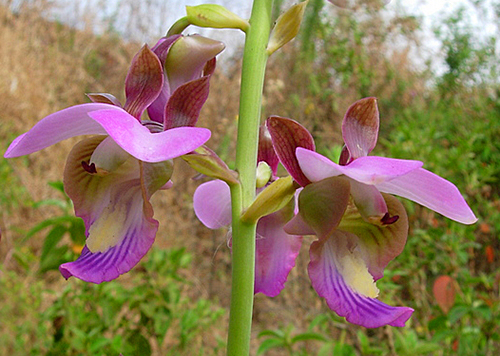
[{"x": 242, "y": 195}]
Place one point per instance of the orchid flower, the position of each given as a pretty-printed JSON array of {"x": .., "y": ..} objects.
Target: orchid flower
[
  {"x": 360, "y": 228},
  {"x": 276, "y": 250},
  {"x": 111, "y": 177}
]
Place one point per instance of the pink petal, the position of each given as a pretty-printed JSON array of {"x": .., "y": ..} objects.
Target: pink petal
[
  {"x": 137, "y": 140},
  {"x": 212, "y": 204},
  {"x": 70, "y": 122},
  {"x": 360, "y": 127},
  {"x": 367, "y": 170},
  {"x": 433, "y": 192},
  {"x": 276, "y": 252},
  {"x": 339, "y": 275},
  {"x": 117, "y": 214}
]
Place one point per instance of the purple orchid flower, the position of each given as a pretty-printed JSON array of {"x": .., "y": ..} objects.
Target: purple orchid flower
[
  {"x": 360, "y": 228},
  {"x": 111, "y": 177},
  {"x": 276, "y": 250}
]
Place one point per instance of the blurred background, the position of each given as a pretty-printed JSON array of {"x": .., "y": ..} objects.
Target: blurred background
[{"x": 433, "y": 65}]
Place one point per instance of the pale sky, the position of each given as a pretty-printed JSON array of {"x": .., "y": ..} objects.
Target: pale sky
[{"x": 162, "y": 15}]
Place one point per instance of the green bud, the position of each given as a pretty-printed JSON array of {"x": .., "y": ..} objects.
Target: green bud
[
  {"x": 286, "y": 28},
  {"x": 206, "y": 161},
  {"x": 273, "y": 198},
  {"x": 263, "y": 174},
  {"x": 215, "y": 16}
]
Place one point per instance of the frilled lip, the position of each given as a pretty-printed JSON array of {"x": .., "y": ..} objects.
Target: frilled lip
[{"x": 105, "y": 119}]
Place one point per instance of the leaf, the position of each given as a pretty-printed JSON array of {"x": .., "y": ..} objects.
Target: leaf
[
  {"x": 58, "y": 185},
  {"x": 273, "y": 333},
  {"x": 437, "y": 323},
  {"x": 56, "y": 257},
  {"x": 270, "y": 344},
  {"x": 46, "y": 223},
  {"x": 77, "y": 231},
  {"x": 308, "y": 336},
  {"x": 139, "y": 344},
  {"x": 426, "y": 347},
  {"x": 457, "y": 312},
  {"x": 54, "y": 202},
  {"x": 55, "y": 235},
  {"x": 444, "y": 292}
]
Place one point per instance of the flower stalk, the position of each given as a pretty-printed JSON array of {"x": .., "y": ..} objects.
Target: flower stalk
[{"x": 243, "y": 265}]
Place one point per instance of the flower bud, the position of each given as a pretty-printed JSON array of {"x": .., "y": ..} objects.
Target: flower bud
[
  {"x": 286, "y": 28},
  {"x": 215, "y": 16},
  {"x": 263, "y": 174}
]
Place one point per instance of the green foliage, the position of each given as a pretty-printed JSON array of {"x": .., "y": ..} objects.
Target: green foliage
[
  {"x": 13, "y": 193},
  {"x": 149, "y": 310},
  {"x": 54, "y": 250},
  {"x": 470, "y": 60}
]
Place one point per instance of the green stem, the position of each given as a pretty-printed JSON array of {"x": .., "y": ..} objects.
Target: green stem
[{"x": 242, "y": 195}]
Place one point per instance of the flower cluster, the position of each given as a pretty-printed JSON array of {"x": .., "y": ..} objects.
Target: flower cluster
[
  {"x": 111, "y": 176},
  {"x": 360, "y": 227},
  {"x": 348, "y": 206}
]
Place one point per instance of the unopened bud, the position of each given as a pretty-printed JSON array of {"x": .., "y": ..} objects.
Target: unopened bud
[
  {"x": 287, "y": 27},
  {"x": 264, "y": 174},
  {"x": 215, "y": 16}
]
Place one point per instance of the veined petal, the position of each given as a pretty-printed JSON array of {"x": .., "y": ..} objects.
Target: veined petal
[
  {"x": 104, "y": 98},
  {"x": 184, "y": 106},
  {"x": 287, "y": 135},
  {"x": 338, "y": 273},
  {"x": 266, "y": 151},
  {"x": 143, "y": 83},
  {"x": 117, "y": 214},
  {"x": 156, "y": 110},
  {"x": 212, "y": 204},
  {"x": 70, "y": 122},
  {"x": 433, "y": 192},
  {"x": 137, "y": 140},
  {"x": 276, "y": 252},
  {"x": 378, "y": 244},
  {"x": 367, "y": 170},
  {"x": 360, "y": 127}
]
